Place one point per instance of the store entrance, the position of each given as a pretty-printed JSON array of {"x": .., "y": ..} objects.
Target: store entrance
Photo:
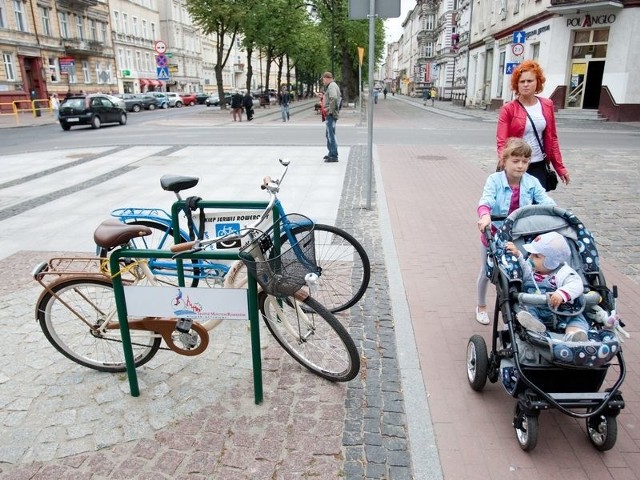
[{"x": 588, "y": 55}]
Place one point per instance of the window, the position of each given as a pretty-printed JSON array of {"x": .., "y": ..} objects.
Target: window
[
  {"x": 153, "y": 31},
  {"x": 93, "y": 30},
  {"x": 85, "y": 71},
  {"x": 71, "y": 74},
  {"x": 535, "y": 51},
  {"x": 516, "y": 7},
  {"x": 103, "y": 74},
  {"x": 428, "y": 22},
  {"x": 9, "y": 70},
  {"x": 134, "y": 23},
  {"x": 80, "y": 27},
  {"x": 46, "y": 22},
  {"x": 138, "y": 60},
  {"x": 125, "y": 24},
  {"x": 121, "y": 61},
  {"x": 129, "y": 60},
  {"x": 21, "y": 21},
  {"x": 103, "y": 32},
  {"x": 54, "y": 71},
  {"x": 147, "y": 61},
  {"x": 63, "y": 18},
  {"x": 501, "y": 64},
  {"x": 145, "y": 33},
  {"x": 3, "y": 21},
  {"x": 116, "y": 21}
]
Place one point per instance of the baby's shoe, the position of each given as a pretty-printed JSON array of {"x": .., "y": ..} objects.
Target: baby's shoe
[
  {"x": 530, "y": 322},
  {"x": 577, "y": 336}
]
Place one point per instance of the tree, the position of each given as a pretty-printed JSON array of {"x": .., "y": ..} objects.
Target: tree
[{"x": 221, "y": 18}]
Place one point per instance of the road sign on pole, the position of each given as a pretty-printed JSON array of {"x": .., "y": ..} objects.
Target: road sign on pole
[
  {"x": 519, "y": 37},
  {"x": 162, "y": 73}
]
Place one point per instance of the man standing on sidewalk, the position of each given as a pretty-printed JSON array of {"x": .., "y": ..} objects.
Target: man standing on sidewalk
[
  {"x": 331, "y": 105},
  {"x": 283, "y": 100}
]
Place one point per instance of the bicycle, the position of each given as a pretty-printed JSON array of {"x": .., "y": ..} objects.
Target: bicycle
[
  {"x": 344, "y": 267},
  {"x": 78, "y": 316}
]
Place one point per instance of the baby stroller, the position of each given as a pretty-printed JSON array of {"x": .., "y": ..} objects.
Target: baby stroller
[{"x": 541, "y": 370}]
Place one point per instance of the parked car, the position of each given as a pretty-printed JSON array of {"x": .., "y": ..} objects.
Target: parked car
[
  {"x": 161, "y": 99},
  {"x": 116, "y": 100},
  {"x": 213, "y": 100},
  {"x": 94, "y": 110},
  {"x": 174, "y": 99},
  {"x": 135, "y": 102},
  {"x": 201, "y": 97},
  {"x": 189, "y": 99}
]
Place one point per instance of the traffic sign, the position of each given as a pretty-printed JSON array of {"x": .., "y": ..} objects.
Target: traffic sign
[
  {"x": 519, "y": 37},
  {"x": 162, "y": 73},
  {"x": 517, "y": 49},
  {"x": 160, "y": 47},
  {"x": 510, "y": 67},
  {"x": 161, "y": 60}
]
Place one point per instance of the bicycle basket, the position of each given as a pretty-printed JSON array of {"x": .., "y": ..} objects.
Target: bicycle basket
[{"x": 282, "y": 273}]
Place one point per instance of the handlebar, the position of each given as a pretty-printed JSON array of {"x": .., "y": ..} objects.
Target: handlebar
[
  {"x": 272, "y": 186},
  {"x": 590, "y": 298}
]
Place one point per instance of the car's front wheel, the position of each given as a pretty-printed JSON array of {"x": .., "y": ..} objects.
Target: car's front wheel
[
  {"x": 123, "y": 119},
  {"x": 65, "y": 126},
  {"x": 178, "y": 104},
  {"x": 152, "y": 107},
  {"x": 136, "y": 108},
  {"x": 95, "y": 122}
]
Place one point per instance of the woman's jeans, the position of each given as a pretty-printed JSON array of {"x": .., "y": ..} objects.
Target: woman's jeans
[
  {"x": 284, "y": 110},
  {"x": 332, "y": 145}
]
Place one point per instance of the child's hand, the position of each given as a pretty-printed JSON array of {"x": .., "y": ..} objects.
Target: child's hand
[
  {"x": 556, "y": 299},
  {"x": 512, "y": 249}
]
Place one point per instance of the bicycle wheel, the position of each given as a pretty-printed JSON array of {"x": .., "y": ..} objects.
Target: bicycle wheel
[
  {"x": 85, "y": 343},
  {"x": 165, "y": 269},
  {"x": 312, "y": 335},
  {"x": 345, "y": 266}
]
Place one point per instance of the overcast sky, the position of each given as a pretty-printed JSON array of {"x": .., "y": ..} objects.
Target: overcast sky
[{"x": 394, "y": 25}]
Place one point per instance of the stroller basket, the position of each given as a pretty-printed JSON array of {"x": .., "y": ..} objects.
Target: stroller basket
[{"x": 281, "y": 271}]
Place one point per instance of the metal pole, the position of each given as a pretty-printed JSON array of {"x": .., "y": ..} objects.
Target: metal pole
[
  {"x": 360, "y": 93},
  {"x": 372, "y": 38},
  {"x": 333, "y": 36}
]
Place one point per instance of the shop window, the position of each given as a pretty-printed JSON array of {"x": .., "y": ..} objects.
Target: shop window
[
  {"x": 601, "y": 35},
  {"x": 54, "y": 72}
]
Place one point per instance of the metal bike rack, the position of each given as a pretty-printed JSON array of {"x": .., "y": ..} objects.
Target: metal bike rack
[{"x": 252, "y": 292}]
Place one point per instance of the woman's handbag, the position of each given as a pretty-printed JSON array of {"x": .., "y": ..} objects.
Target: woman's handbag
[{"x": 552, "y": 176}]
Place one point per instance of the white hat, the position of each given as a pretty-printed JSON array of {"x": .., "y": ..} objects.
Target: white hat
[{"x": 552, "y": 246}]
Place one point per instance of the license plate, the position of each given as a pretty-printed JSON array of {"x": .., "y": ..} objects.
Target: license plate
[{"x": 73, "y": 119}]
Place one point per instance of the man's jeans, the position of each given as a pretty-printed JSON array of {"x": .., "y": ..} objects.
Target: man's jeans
[
  {"x": 284, "y": 110},
  {"x": 332, "y": 145}
]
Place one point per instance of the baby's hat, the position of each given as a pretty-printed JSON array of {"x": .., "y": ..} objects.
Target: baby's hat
[{"x": 553, "y": 246}]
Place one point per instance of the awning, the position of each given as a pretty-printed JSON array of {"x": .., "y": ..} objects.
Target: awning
[{"x": 143, "y": 82}]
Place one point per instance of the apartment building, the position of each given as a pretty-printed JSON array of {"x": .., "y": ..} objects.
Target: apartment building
[
  {"x": 56, "y": 46},
  {"x": 586, "y": 48}
]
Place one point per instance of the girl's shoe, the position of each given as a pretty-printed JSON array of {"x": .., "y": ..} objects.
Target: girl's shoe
[{"x": 482, "y": 317}]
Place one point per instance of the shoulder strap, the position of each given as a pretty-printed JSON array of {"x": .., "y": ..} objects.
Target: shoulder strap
[{"x": 533, "y": 125}]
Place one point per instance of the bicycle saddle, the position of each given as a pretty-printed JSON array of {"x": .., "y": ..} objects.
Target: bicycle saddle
[
  {"x": 112, "y": 233},
  {"x": 177, "y": 183}
]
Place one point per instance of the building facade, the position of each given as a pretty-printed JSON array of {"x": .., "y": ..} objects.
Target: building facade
[{"x": 584, "y": 46}]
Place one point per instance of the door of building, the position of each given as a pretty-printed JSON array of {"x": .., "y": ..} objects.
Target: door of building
[{"x": 588, "y": 54}]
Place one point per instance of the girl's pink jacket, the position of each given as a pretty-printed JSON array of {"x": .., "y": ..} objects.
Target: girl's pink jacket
[{"x": 512, "y": 121}]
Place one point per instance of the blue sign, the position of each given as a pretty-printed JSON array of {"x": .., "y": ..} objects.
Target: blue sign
[
  {"x": 510, "y": 67},
  {"x": 162, "y": 73},
  {"x": 519, "y": 36},
  {"x": 227, "y": 228}
]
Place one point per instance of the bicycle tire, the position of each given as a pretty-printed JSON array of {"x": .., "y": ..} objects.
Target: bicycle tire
[
  {"x": 94, "y": 300},
  {"x": 343, "y": 281},
  {"x": 161, "y": 238},
  {"x": 326, "y": 348}
]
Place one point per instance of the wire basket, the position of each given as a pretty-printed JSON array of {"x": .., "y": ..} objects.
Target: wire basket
[{"x": 281, "y": 269}]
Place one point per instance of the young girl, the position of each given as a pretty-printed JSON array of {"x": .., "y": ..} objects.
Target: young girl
[{"x": 504, "y": 192}]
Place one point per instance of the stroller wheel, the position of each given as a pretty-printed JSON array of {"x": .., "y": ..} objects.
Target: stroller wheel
[
  {"x": 526, "y": 426},
  {"x": 603, "y": 431},
  {"x": 477, "y": 362}
]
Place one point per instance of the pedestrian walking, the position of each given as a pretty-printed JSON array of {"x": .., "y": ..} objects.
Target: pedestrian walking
[
  {"x": 425, "y": 96},
  {"x": 283, "y": 100},
  {"x": 236, "y": 106},
  {"x": 55, "y": 105},
  {"x": 247, "y": 103},
  {"x": 433, "y": 94},
  {"x": 331, "y": 107},
  {"x": 375, "y": 95},
  {"x": 385, "y": 91},
  {"x": 532, "y": 118}
]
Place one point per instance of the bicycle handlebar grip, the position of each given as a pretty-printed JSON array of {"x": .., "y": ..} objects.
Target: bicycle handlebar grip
[
  {"x": 266, "y": 181},
  {"x": 182, "y": 247}
]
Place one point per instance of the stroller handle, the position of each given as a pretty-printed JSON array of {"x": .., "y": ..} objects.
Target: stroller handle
[{"x": 590, "y": 298}]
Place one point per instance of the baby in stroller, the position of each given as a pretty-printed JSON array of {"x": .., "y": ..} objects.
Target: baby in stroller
[
  {"x": 547, "y": 271},
  {"x": 553, "y": 349}
]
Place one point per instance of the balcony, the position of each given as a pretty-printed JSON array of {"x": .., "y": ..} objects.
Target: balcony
[
  {"x": 569, "y": 6},
  {"x": 82, "y": 47},
  {"x": 238, "y": 67},
  {"x": 77, "y": 4}
]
